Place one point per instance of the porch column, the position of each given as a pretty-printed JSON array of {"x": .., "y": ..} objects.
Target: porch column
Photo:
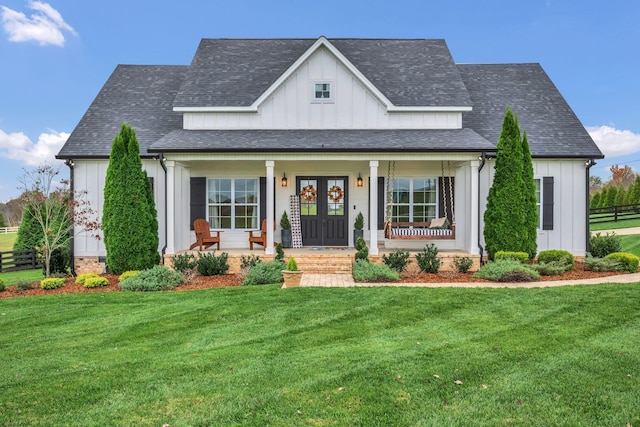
[
  {"x": 268, "y": 250},
  {"x": 171, "y": 203},
  {"x": 373, "y": 207},
  {"x": 473, "y": 221}
]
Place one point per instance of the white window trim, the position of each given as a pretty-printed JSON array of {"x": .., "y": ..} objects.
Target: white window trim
[
  {"x": 411, "y": 203},
  {"x": 233, "y": 203},
  {"x": 539, "y": 202},
  {"x": 332, "y": 88}
]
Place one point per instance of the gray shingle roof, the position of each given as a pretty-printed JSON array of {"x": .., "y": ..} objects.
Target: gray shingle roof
[
  {"x": 553, "y": 130},
  {"x": 140, "y": 95},
  {"x": 322, "y": 140},
  {"x": 235, "y": 72}
]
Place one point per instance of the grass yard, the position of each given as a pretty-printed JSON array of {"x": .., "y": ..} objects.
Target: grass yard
[
  {"x": 627, "y": 223},
  {"x": 6, "y": 241},
  {"x": 631, "y": 243},
  {"x": 324, "y": 357}
]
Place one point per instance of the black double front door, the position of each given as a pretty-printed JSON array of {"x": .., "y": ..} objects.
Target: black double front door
[{"x": 323, "y": 210}]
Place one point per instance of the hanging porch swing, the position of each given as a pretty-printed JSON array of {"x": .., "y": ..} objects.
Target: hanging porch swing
[{"x": 443, "y": 228}]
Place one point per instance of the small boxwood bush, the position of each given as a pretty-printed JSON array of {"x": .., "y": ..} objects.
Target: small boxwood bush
[
  {"x": 601, "y": 246},
  {"x": 364, "y": 271},
  {"x": 559, "y": 256},
  {"x": 463, "y": 264},
  {"x": 522, "y": 257},
  {"x": 428, "y": 260},
  {"x": 279, "y": 253},
  {"x": 52, "y": 283},
  {"x": 362, "y": 251},
  {"x": 209, "y": 264},
  {"x": 506, "y": 270},
  {"x": 397, "y": 260},
  {"x": 601, "y": 264},
  {"x": 81, "y": 278},
  {"x": 628, "y": 262},
  {"x": 184, "y": 262},
  {"x": 23, "y": 285},
  {"x": 97, "y": 282},
  {"x": 128, "y": 274},
  {"x": 265, "y": 273},
  {"x": 158, "y": 278}
]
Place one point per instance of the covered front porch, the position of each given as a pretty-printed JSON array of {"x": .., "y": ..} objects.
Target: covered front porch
[{"x": 405, "y": 187}]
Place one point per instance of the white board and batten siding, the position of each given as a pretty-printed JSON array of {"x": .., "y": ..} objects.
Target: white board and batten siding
[
  {"x": 89, "y": 177},
  {"x": 292, "y": 106},
  {"x": 569, "y": 203}
]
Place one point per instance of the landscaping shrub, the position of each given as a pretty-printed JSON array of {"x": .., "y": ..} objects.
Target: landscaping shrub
[
  {"x": 601, "y": 264},
  {"x": 397, "y": 260},
  {"x": 428, "y": 260},
  {"x": 265, "y": 273},
  {"x": 211, "y": 265},
  {"x": 556, "y": 255},
  {"x": 249, "y": 261},
  {"x": 81, "y": 278},
  {"x": 52, "y": 283},
  {"x": 23, "y": 285},
  {"x": 1, "y": 285},
  {"x": 279, "y": 253},
  {"x": 98, "y": 282},
  {"x": 292, "y": 265},
  {"x": 463, "y": 264},
  {"x": 184, "y": 262},
  {"x": 59, "y": 262},
  {"x": 551, "y": 268},
  {"x": 158, "y": 278},
  {"x": 124, "y": 275},
  {"x": 362, "y": 251},
  {"x": 628, "y": 262},
  {"x": 499, "y": 270},
  {"x": 523, "y": 257},
  {"x": 364, "y": 271},
  {"x": 601, "y": 246}
]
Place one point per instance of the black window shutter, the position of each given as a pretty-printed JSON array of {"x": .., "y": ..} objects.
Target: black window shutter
[
  {"x": 443, "y": 191},
  {"x": 547, "y": 203},
  {"x": 263, "y": 199},
  {"x": 198, "y": 200}
]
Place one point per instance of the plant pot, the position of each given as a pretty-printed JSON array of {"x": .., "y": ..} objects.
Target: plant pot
[
  {"x": 291, "y": 278},
  {"x": 285, "y": 238},
  {"x": 356, "y": 234}
]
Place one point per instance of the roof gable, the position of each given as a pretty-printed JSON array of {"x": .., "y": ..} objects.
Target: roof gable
[{"x": 405, "y": 75}]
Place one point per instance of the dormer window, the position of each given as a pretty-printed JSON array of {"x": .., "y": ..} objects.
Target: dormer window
[{"x": 322, "y": 91}]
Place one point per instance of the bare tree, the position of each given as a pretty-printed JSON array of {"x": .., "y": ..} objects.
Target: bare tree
[{"x": 55, "y": 210}]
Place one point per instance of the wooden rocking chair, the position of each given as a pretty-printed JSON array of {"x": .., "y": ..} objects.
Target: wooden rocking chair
[
  {"x": 260, "y": 239},
  {"x": 203, "y": 235}
]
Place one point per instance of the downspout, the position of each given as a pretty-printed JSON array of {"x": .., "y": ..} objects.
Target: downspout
[
  {"x": 164, "y": 168},
  {"x": 590, "y": 163},
  {"x": 482, "y": 162},
  {"x": 72, "y": 264}
]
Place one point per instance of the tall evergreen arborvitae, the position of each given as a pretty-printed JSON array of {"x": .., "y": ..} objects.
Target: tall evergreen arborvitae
[
  {"x": 634, "y": 191},
  {"x": 612, "y": 195},
  {"x": 531, "y": 214},
  {"x": 504, "y": 217},
  {"x": 129, "y": 217},
  {"x": 29, "y": 233}
]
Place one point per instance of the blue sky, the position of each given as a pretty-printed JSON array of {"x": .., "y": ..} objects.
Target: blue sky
[{"x": 56, "y": 55}]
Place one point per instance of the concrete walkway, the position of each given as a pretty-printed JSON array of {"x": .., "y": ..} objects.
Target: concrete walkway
[
  {"x": 619, "y": 231},
  {"x": 346, "y": 280}
]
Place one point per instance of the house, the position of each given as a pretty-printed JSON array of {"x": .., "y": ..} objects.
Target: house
[{"x": 392, "y": 128}]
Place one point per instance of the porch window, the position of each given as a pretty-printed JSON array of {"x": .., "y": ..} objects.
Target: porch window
[
  {"x": 233, "y": 203},
  {"x": 414, "y": 199}
]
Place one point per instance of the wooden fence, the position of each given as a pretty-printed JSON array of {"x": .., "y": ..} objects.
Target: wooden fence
[
  {"x": 7, "y": 230},
  {"x": 614, "y": 213},
  {"x": 19, "y": 260}
]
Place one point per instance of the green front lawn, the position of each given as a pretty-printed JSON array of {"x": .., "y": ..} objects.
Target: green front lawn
[
  {"x": 631, "y": 243},
  {"x": 627, "y": 223},
  {"x": 6, "y": 241},
  {"x": 324, "y": 357}
]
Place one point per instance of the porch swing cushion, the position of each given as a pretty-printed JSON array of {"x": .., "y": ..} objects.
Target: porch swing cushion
[{"x": 421, "y": 230}]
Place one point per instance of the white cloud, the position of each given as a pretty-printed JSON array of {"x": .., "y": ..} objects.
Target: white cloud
[
  {"x": 44, "y": 26},
  {"x": 17, "y": 146},
  {"x": 613, "y": 142}
]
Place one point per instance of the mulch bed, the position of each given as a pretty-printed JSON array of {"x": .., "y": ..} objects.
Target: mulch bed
[{"x": 206, "y": 282}]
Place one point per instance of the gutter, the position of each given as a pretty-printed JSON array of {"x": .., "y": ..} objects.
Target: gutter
[
  {"x": 164, "y": 168},
  {"x": 482, "y": 162},
  {"x": 589, "y": 163},
  {"x": 72, "y": 264}
]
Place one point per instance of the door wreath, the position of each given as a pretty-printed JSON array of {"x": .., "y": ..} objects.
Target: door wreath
[
  {"x": 308, "y": 193},
  {"x": 335, "y": 194}
]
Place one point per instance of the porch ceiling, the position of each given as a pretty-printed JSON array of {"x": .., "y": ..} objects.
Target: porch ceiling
[{"x": 322, "y": 141}]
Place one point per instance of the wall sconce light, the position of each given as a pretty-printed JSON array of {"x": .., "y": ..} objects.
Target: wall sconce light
[
  {"x": 359, "y": 181},
  {"x": 284, "y": 181}
]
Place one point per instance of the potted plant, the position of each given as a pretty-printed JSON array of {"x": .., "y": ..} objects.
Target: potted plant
[
  {"x": 291, "y": 274},
  {"x": 358, "y": 225},
  {"x": 285, "y": 233}
]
